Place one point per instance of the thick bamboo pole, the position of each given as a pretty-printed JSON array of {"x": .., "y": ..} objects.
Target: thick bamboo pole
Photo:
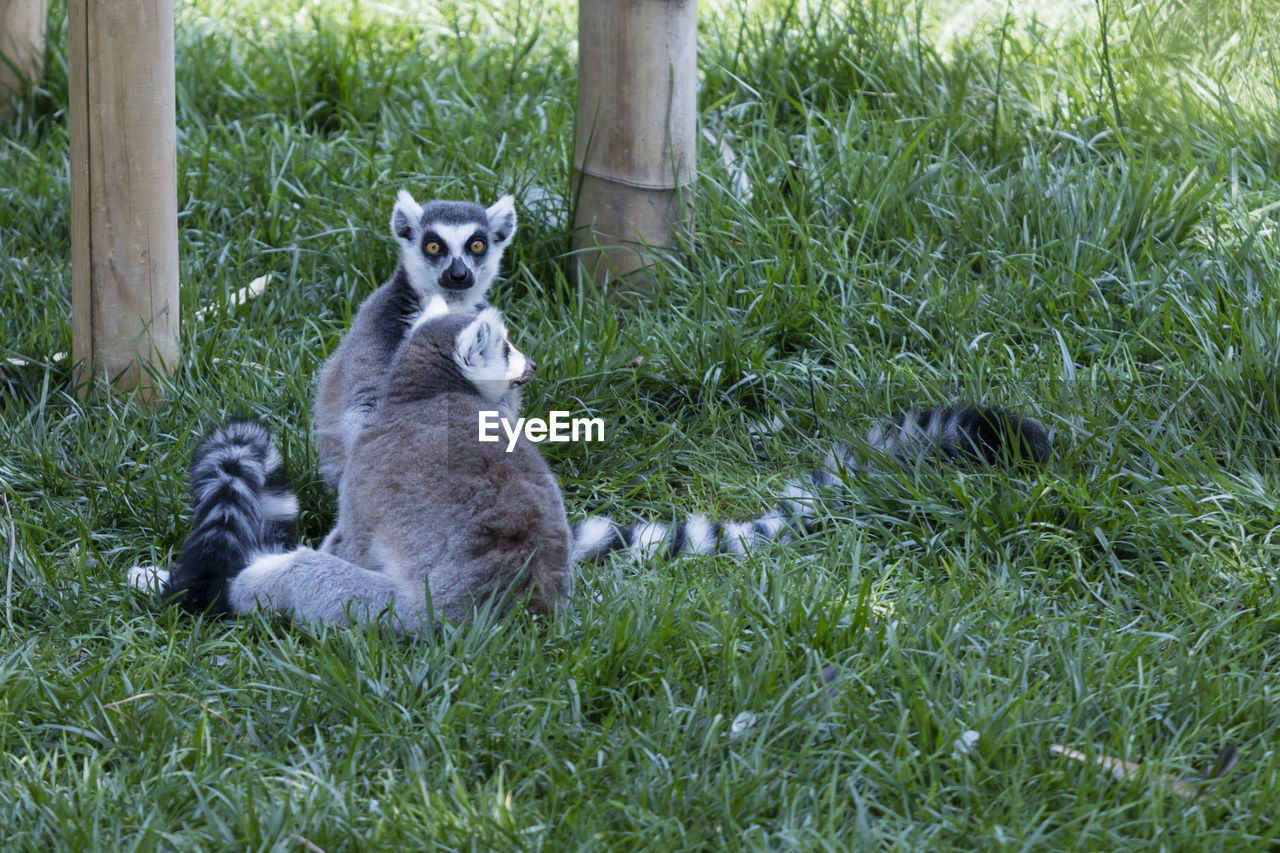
[
  {"x": 636, "y": 132},
  {"x": 21, "y": 46},
  {"x": 124, "y": 199}
]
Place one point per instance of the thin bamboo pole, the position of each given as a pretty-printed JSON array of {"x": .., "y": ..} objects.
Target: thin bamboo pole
[
  {"x": 636, "y": 131},
  {"x": 124, "y": 200},
  {"x": 22, "y": 40}
]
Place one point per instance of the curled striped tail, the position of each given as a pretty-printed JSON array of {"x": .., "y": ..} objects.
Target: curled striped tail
[
  {"x": 960, "y": 433},
  {"x": 243, "y": 507}
]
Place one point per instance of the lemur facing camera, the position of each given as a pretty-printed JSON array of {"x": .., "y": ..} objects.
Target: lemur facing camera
[{"x": 449, "y": 249}]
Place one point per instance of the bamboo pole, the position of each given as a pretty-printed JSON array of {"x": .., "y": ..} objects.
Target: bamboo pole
[
  {"x": 636, "y": 131},
  {"x": 124, "y": 200},
  {"x": 22, "y": 39}
]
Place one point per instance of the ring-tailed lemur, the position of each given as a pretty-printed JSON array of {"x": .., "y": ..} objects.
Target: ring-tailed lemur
[
  {"x": 962, "y": 433},
  {"x": 450, "y": 249},
  {"x": 430, "y": 519}
]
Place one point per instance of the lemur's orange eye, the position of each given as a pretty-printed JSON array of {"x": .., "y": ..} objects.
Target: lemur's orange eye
[
  {"x": 477, "y": 246},
  {"x": 433, "y": 248}
]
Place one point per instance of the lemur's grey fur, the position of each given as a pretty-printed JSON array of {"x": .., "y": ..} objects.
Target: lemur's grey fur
[
  {"x": 450, "y": 249},
  {"x": 430, "y": 519}
]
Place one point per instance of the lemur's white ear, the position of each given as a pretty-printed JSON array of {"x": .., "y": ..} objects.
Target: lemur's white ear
[
  {"x": 502, "y": 221},
  {"x": 435, "y": 307},
  {"x": 405, "y": 217},
  {"x": 478, "y": 339}
]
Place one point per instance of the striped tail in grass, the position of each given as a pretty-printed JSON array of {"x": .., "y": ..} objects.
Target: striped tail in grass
[
  {"x": 243, "y": 508},
  {"x": 961, "y": 433}
]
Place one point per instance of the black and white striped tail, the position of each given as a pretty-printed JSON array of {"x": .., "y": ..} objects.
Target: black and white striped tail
[
  {"x": 970, "y": 433},
  {"x": 966, "y": 433},
  {"x": 795, "y": 514},
  {"x": 243, "y": 507}
]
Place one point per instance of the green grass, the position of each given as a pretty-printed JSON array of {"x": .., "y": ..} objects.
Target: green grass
[{"x": 1075, "y": 220}]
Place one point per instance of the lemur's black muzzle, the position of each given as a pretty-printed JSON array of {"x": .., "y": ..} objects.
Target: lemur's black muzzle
[{"x": 457, "y": 276}]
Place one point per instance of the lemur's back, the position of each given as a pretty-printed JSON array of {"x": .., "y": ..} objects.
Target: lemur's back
[
  {"x": 427, "y": 502},
  {"x": 478, "y": 518}
]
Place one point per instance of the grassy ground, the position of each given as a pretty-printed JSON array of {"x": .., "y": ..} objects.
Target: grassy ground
[{"x": 1072, "y": 213}]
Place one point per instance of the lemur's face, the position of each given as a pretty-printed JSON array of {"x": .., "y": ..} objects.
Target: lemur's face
[
  {"x": 452, "y": 248},
  {"x": 456, "y": 253}
]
